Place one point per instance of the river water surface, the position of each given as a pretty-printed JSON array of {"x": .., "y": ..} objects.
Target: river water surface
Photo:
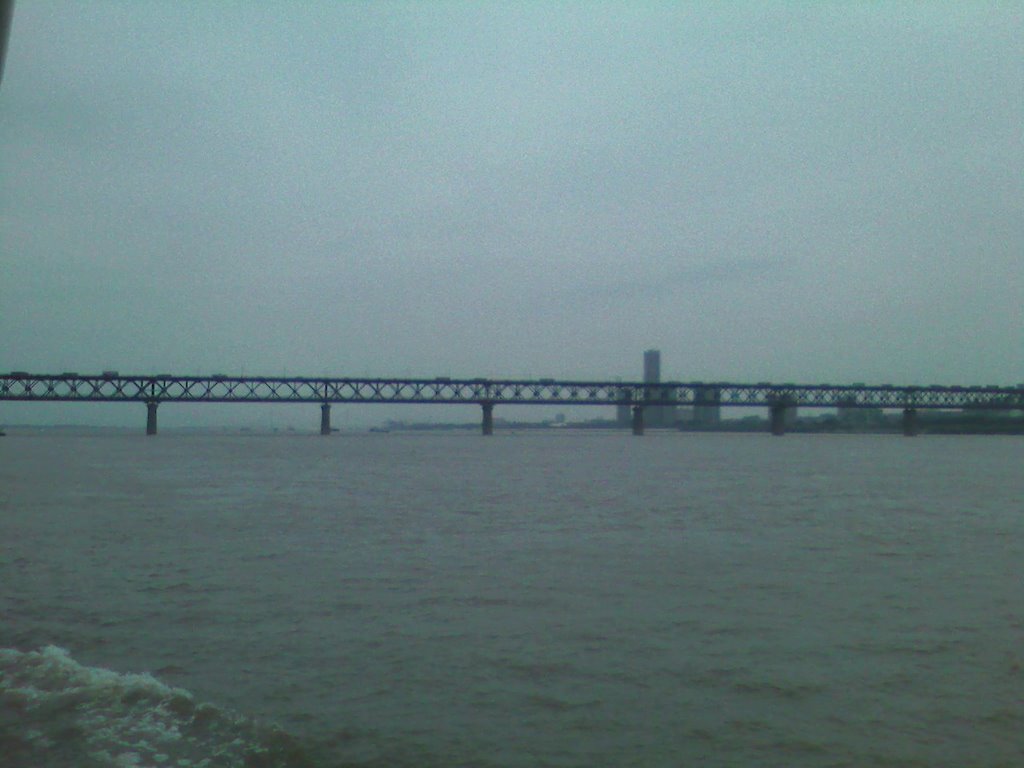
[{"x": 534, "y": 599}]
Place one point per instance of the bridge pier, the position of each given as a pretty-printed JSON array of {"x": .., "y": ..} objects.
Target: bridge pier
[
  {"x": 151, "y": 417},
  {"x": 638, "y": 420},
  {"x": 778, "y": 419},
  {"x": 911, "y": 427},
  {"x": 325, "y": 419},
  {"x": 487, "y": 426}
]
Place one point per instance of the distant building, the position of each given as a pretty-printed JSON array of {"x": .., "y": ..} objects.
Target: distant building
[
  {"x": 790, "y": 417},
  {"x": 652, "y": 366},
  {"x": 707, "y": 410},
  {"x": 852, "y": 416},
  {"x": 657, "y": 415},
  {"x": 624, "y": 410}
]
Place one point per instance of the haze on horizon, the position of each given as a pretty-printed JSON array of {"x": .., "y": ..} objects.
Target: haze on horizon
[{"x": 784, "y": 192}]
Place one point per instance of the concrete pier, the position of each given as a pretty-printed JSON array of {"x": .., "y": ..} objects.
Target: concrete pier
[
  {"x": 638, "y": 419},
  {"x": 911, "y": 427},
  {"x": 487, "y": 426},
  {"x": 778, "y": 419},
  {"x": 151, "y": 418},
  {"x": 325, "y": 419}
]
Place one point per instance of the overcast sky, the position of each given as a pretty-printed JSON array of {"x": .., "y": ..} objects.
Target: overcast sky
[{"x": 801, "y": 192}]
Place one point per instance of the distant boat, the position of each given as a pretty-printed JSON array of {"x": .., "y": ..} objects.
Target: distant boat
[{"x": 382, "y": 430}]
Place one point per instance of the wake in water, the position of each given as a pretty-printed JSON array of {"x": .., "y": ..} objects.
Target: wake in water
[{"x": 57, "y": 713}]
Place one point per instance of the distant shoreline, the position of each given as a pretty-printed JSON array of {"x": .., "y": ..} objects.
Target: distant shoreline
[{"x": 939, "y": 424}]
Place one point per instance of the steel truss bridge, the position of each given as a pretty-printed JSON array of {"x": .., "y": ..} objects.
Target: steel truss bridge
[{"x": 705, "y": 397}]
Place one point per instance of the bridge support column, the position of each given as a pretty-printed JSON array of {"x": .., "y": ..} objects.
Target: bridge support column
[
  {"x": 487, "y": 425},
  {"x": 638, "y": 419},
  {"x": 778, "y": 419},
  {"x": 325, "y": 419},
  {"x": 911, "y": 427},
  {"x": 151, "y": 418}
]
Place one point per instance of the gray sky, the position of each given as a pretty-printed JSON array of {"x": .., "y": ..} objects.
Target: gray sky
[{"x": 789, "y": 192}]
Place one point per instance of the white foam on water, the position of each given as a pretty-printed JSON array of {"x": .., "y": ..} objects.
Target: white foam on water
[{"x": 57, "y": 712}]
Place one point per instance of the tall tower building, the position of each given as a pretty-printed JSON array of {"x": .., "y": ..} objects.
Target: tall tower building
[
  {"x": 657, "y": 415},
  {"x": 652, "y": 366}
]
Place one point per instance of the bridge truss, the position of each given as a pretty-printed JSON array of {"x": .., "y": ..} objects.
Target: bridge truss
[{"x": 69, "y": 387}]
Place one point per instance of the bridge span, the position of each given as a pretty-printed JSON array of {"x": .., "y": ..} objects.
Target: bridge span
[{"x": 487, "y": 393}]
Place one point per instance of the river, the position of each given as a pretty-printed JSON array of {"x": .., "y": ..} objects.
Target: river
[{"x": 552, "y": 598}]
